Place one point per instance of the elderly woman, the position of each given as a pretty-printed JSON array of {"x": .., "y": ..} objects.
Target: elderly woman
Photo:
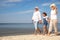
[
  {"x": 53, "y": 19},
  {"x": 36, "y": 18}
]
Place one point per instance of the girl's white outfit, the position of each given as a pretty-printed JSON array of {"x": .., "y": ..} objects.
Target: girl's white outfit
[
  {"x": 53, "y": 21},
  {"x": 36, "y": 17}
]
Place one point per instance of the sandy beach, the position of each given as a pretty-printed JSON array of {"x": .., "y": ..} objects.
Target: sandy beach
[{"x": 31, "y": 37}]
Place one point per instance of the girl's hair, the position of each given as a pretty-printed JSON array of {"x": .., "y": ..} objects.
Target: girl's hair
[{"x": 45, "y": 13}]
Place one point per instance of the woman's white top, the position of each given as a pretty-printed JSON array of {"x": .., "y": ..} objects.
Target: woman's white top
[
  {"x": 36, "y": 16},
  {"x": 53, "y": 14}
]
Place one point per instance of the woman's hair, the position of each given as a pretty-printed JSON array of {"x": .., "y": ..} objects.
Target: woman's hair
[{"x": 45, "y": 13}]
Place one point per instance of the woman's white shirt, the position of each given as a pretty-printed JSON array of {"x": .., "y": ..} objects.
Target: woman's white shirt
[
  {"x": 36, "y": 16},
  {"x": 53, "y": 14}
]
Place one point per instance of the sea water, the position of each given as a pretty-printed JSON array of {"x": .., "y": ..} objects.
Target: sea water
[{"x": 12, "y": 28}]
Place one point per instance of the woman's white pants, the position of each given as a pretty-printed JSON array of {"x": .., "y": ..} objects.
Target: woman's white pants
[{"x": 53, "y": 24}]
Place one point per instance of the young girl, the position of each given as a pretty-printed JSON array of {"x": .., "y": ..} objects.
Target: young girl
[
  {"x": 45, "y": 23},
  {"x": 36, "y": 18},
  {"x": 53, "y": 19}
]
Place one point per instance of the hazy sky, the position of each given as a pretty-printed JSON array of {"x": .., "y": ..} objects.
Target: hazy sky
[{"x": 20, "y": 11}]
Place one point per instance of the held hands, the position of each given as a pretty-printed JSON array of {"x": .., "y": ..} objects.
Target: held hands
[
  {"x": 40, "y": 21},
  {"x": 48, "y": 20}
]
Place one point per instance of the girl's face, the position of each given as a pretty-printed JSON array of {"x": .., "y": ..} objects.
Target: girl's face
[
  {"x": 52, "y": 7},
  {"x": 43, "y": 15}
]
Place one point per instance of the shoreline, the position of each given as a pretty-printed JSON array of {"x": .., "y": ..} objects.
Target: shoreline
[{"x": 31, "y": 37}]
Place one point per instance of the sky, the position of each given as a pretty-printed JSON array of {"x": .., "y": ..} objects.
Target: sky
[{"x": 21, "y": 11}]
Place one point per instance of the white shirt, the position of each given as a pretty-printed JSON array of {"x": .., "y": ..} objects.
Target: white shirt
[
  {"x": 36, "y": 16},
  {"x": 46, "y": 17},
  {"x": 53, "y": 14}
]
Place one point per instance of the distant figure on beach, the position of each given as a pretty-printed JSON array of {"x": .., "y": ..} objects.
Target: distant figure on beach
[
  {"x": 53, "y": 19},
  {"x": 45, "y": 23},
  {"x": 36, "y": 18}
]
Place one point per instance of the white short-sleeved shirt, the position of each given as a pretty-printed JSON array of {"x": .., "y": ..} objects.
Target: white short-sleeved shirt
[
  {"x": 46, "y": 17},
  {"x": 53, "y": 14},
  {"x": 36, "y": 16}
]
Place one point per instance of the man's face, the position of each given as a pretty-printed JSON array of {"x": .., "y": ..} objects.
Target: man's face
[
  {"x": 52, "y": 7},
  {"x": 36, "y": 9}
]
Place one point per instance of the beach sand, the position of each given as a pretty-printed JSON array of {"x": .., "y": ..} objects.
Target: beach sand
[{"x": 31, "y": 37}]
